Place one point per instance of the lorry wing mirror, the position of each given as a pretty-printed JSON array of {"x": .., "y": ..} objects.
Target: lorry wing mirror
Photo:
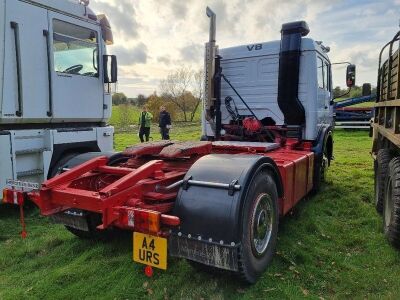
[
  {"x": 110, "y": 68},
  {"x": 366, "y": 89},
  {"x": 351, "y": 76}
]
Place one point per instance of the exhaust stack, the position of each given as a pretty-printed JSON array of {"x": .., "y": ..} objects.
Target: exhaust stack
[
  {"x": 289, "y": 72},
  {"x": 209, "y": 70}
]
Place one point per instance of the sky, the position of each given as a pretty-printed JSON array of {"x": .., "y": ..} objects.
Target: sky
[{"x": 153, "y": 37}]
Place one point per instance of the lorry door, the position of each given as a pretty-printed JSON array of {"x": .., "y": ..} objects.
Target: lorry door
[
  {"x": 323, "y": 93},
  {"x": 76, "y": 75},
  {"x": 25, "y": 91}
]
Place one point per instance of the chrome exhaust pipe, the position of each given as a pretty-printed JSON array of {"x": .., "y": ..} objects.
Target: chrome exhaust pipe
[{"x": 209, "y": 70}]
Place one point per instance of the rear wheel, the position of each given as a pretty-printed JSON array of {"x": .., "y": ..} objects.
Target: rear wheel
[
  {"x": 259, "y": 228},
  {"x": 391, "y": 203},
  {"x": 92, "y": 221},
  {"x": 381, "y": 165}
]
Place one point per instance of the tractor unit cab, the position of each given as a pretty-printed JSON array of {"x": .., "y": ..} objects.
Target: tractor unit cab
[
  {"x": 270, "y": 86},
  {"x": 56, "y": 81},
  {"x": 52, "y": 56}
]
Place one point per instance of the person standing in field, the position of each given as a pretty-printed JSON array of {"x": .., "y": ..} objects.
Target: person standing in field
[
  {"x": 144, "y": 124},
  {"x": 164, "y": 123}
]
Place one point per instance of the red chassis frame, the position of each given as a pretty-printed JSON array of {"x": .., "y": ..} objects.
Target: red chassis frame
[{"x": 139, "y": 193}]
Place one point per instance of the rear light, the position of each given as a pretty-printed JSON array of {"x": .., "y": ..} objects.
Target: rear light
[
  {"x": 13, "y": 197},
  {"x": 147, "y": 221}
]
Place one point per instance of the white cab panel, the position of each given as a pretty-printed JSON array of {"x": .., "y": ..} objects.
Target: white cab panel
[
  {"x": 2, "y": 22},
  {"x": 33, "y": 64},
  {"x": 253, "y": 71}
]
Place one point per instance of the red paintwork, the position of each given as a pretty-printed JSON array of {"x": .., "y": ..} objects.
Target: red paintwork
[{"x": 133, "y": 186}]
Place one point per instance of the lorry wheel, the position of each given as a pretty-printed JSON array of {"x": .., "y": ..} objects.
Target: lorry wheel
[
  {"x": 259, "y": 228},
  {"x": 320, "y": 169},
  {"x": 93, "y": 220},
  {"x": 381, "y": 165},
  {"x": 391, "y": 203}
]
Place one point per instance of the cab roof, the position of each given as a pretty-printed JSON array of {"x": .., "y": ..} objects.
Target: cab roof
[
  {"x": 70, "y": 7},
  {"x": 267, "y": 48}
]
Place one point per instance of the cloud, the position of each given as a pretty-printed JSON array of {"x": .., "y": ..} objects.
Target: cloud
[
  {"x": 192, "y": 53},
  {"x": 122, "y": 16},
  {"x": 131, "y": 56},
  {"x": 164, "y": 59},
  {"x": 153, "y": 37},
  {"x": 179, "y": 8}
]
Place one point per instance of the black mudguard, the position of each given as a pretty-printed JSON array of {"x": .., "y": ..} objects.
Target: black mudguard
[
  {"x": 210, "y": 217},
  {"x": 84, "y": 157}
]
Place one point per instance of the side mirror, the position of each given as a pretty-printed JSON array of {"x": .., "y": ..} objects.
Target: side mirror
[
  {"x": 350, "y": 76},
  {"x": 366, "y": 89},
  {"x": 110, "y": 68}
]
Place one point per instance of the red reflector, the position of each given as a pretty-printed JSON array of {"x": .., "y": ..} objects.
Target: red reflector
[{"x": 13, "y": 197}]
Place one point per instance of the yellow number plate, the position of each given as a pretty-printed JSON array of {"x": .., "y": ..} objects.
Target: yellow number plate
[{"x": 150, "y": 250}]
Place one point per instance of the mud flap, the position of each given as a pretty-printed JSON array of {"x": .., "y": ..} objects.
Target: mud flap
[
  {"x": 76, "y": 219},
  {"x": 211, "y": 213},
  {"x": 205, "y": 252}
]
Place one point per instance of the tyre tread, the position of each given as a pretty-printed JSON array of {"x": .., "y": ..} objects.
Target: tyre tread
[
  {"x": 393, "y": 231},
  {"x": 382, "y": 159}
]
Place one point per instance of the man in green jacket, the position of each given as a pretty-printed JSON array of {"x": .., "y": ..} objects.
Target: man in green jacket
[{"x": 144, "y": 124}]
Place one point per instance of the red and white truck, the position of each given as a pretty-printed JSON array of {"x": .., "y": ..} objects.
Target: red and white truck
[{"x": 267, "y": 142}]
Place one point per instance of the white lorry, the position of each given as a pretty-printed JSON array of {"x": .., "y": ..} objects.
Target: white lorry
[{"x": 55, "y": 86}]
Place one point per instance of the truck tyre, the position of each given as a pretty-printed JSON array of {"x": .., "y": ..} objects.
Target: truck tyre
[
  {"x": 259, "y": 227},
  {"x": 381, "y": 165},
  {"x": 57, "y": 168},
  {"x": 322, "y": 159},
  {"x": 391, "y": 203},
  {"x": 93, "y": 220}
]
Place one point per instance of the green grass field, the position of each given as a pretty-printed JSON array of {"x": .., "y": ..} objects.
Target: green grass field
[{"x": 330, "y": 246}]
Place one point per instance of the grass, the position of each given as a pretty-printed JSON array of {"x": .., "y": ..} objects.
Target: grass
[
  {"x": 330, "y": 246},
  {"x": 129, "y": 121}
]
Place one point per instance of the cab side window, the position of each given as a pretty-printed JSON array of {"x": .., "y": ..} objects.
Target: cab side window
[
  {"x": 75, "y": 49},
  {"x": 320, "y": 73},
  {"x": 327, "y": 77}
]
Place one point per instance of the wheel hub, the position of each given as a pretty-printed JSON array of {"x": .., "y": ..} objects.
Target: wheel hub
[{"x": 262, "y": 220}]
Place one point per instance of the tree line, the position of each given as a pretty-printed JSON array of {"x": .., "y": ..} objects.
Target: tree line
[
  {"x": 355, "y": 91},
  {"x": 181, "y": 92}
]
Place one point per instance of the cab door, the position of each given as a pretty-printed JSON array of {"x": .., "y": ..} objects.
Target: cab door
[{"x": 76, "y": 76}]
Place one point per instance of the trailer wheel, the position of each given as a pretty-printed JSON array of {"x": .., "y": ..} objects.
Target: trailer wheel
[
  {"x": 381, "y": 165},
  {"x": 259, "y": 228},
  {"x": 391, "y": 203}
]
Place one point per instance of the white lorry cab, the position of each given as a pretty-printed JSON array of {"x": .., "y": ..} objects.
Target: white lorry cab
[
  {"x": 254, "y": 72},
  {"x": 55, "y": 86}
]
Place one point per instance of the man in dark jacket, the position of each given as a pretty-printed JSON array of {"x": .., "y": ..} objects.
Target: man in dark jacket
[{"x": 164, "y": 123}]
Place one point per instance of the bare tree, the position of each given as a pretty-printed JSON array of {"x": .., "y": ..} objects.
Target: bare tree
[
  {"x": 178, "y": 84},
  {"x": 185, "y": 88},
  {"x": 197, "y": 90}
]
